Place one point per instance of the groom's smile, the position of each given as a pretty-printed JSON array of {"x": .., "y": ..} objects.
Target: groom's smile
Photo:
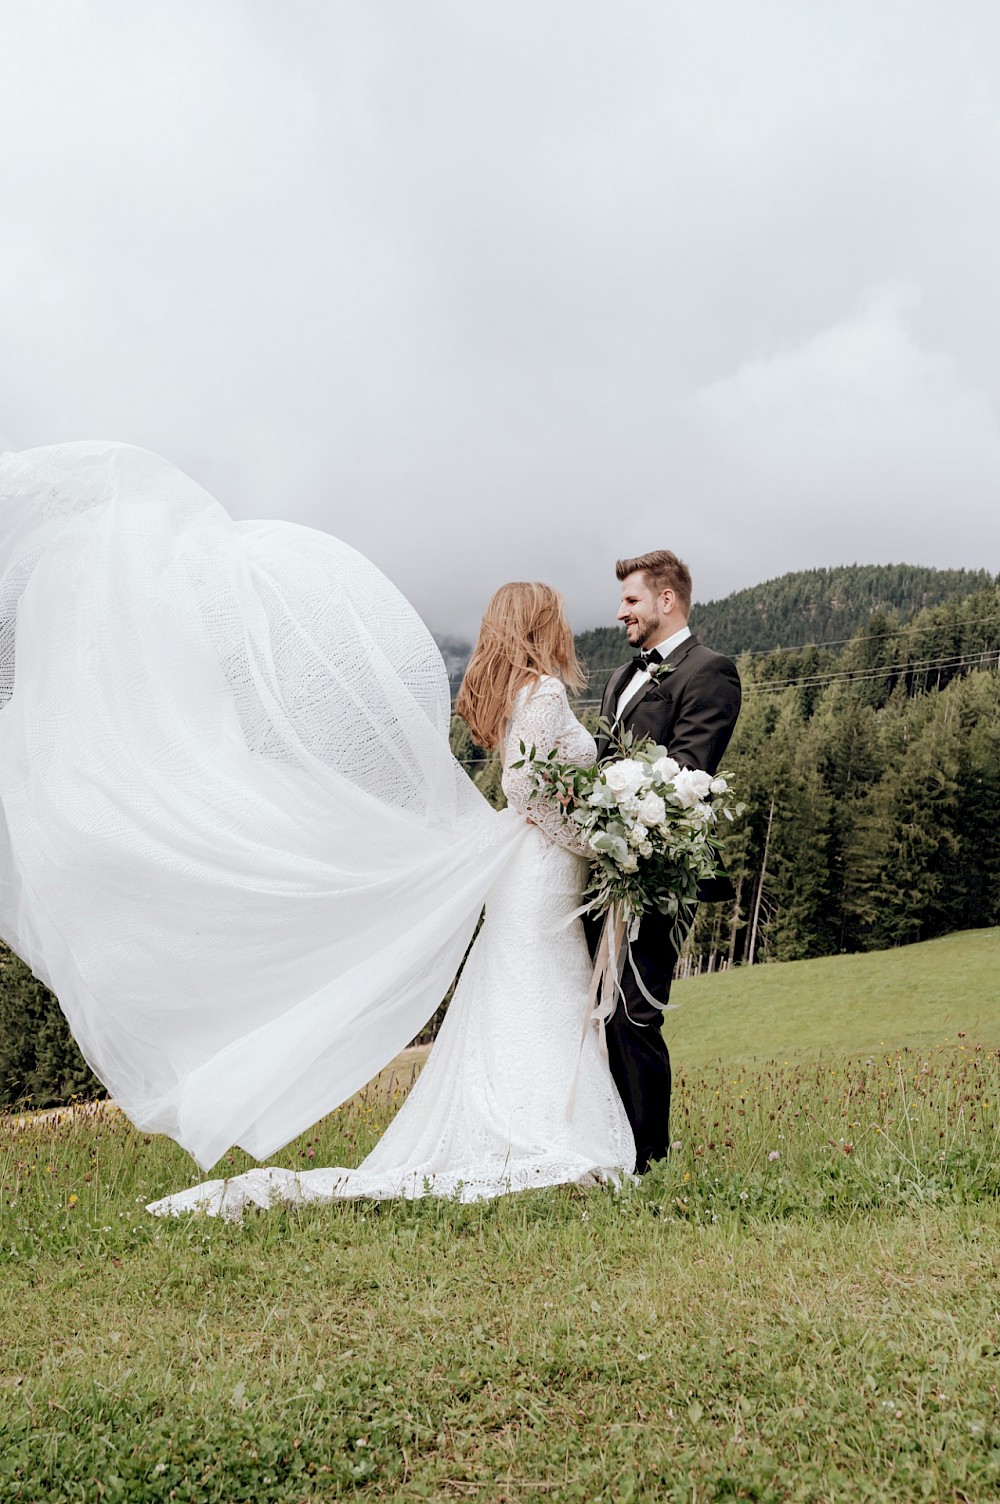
[{"x": 642, "y": 613}]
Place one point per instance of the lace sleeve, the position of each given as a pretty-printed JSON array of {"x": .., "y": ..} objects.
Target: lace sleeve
[{"x": 542, "y": 719}]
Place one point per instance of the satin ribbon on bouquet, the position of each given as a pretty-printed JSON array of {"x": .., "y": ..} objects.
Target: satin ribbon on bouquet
[{"x": 614, "y": 952}]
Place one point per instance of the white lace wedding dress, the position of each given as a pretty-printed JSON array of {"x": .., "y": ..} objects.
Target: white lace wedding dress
[
  {"x": 235, "y": 842},
  {"x": 488, "y": 1114}
]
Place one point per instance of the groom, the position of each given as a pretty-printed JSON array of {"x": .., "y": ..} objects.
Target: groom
[{"x": 690, "y": 707}]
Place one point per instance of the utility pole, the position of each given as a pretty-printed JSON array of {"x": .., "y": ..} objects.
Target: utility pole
[{"x": 760, "y": 886}]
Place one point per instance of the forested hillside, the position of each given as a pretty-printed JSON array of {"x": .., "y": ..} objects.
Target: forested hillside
[
  {"x": 817, "y": 605},
  {"x": 871, "y": 772},
  {"x": 812, "y": 605}
]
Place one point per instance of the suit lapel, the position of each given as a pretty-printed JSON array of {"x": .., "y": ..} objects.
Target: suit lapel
[
  {"x": 612, "y": 690},
  {"x": 614, "y": 687},
  {"x": 674, "y": 658}
]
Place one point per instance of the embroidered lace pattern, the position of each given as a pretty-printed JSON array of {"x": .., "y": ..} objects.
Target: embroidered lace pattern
[{"x": 542, "y": 719}]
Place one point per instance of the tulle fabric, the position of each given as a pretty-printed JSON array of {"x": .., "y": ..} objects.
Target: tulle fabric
[
  {"x": 233, "y": 839},
  {"x": 513, "y": 1097},
  {"x": 489, "y": 1114}
]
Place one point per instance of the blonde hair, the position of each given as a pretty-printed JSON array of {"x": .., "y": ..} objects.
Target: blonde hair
[{"x": 524, "y": 634}]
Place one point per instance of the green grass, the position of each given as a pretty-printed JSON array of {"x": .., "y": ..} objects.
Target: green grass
[
  {"x": 917, "y": 996},
  {"x": 803, "y": 1305}
]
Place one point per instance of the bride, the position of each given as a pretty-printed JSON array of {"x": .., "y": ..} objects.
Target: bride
[{"x": 235, "y": 842}]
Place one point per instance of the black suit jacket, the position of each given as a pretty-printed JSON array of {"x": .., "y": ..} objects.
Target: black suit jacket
[{"x": 692, "y": 711}]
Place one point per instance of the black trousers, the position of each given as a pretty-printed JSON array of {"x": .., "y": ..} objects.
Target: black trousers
[{"x": 640, "y": 1060}]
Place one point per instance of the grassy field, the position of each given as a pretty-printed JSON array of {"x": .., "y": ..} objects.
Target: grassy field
[
  {"x": 803, "y": 1305},
  {"x": 918, "y": 996}
]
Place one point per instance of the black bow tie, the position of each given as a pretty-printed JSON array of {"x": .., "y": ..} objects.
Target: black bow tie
[{"x": 644, "y": 662}]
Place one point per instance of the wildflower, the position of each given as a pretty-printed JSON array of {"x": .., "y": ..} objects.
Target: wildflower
[
  {"x": 774, "y": 1154},
  {"x": 73, "y": 1200}
]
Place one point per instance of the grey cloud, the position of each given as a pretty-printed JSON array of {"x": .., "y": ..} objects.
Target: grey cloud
[{"x": 505, "y": 291}]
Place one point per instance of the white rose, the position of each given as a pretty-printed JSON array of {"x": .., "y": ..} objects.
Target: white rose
[
  {"x": 651, "y": 809},
  {"x": 625, "y": 777},
  {"x": 719, "y": 786},
  {"x": 646, "y": 849},
  {"x": 630, "y": 864},
  {"x": 637, "y": 834},
  {"x": 665, "y": 768},
  {"x": 691, "y": 786}
]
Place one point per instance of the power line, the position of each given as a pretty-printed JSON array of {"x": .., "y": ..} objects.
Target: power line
[
  {"x": 877, "y": 671},
  {"x": 838, "y": 642},
  {"x": 958, "y": 661}
]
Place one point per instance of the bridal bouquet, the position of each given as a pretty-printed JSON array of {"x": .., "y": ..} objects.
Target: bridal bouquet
[{"x": 652, "y": 828}]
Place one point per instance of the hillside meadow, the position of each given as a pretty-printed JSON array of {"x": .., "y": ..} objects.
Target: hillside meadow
[
  {"x": 915, "y": 996},
  {"x": 803, "y": 1305}
]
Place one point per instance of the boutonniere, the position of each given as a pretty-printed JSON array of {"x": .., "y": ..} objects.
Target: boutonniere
[{"x": 658, "y": 671}]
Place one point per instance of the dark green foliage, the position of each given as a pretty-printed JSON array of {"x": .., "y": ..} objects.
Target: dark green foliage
[
  {"x": 484, "y": 767},
  {"x": 821, "y": 605},
  {"x": 39, "y": 1061},
  {"x": 880, "y": 771}
]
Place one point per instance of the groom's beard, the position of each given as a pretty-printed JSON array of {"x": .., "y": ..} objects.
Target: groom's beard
[{"x": 646, "y": 626}]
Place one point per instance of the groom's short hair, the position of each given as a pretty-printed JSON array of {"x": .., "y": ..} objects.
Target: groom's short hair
[{"x": 663, "y": 571}]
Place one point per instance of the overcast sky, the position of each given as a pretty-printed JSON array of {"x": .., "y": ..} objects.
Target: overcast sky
[{"x": 504, "y": 290}]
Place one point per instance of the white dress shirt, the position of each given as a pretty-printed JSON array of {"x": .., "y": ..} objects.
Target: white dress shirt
[{"x": 641, "y": 676}]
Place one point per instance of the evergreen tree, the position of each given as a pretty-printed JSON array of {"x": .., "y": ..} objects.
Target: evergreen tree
[
  {"x": 39, "y": 1061},
  {"x": 910, "y": 835},
  {"x": 488, "y": 781}
]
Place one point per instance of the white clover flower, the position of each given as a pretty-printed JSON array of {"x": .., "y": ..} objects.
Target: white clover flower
[{"x": 626, "y": 777}]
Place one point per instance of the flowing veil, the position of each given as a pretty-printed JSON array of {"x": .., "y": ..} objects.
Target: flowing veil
[{"x": 233, "y": 838}]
